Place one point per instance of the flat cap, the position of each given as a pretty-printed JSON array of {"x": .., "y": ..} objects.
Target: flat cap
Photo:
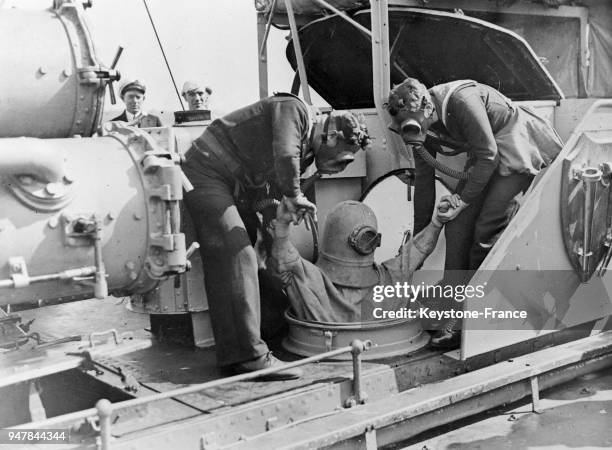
[{"x": 129, "y": 85}]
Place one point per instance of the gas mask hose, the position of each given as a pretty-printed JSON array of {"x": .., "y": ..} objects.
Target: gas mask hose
[{"x": 433, "y": 162}]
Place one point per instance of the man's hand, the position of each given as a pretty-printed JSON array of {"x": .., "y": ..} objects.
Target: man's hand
[
  {"x": 283, "y": 214},
  {"x": 299, "y": 206},
  {"x": 449, "y": 207}
]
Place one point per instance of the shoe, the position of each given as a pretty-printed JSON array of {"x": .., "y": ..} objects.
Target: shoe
[
  {"x": 446, "y": 338},
  {"x": 265, "y": 362}
]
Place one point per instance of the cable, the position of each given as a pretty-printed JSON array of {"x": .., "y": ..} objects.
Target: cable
[{"x": 163, "y": 54}]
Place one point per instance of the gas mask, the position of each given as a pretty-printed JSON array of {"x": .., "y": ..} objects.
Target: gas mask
[
  {"x": 343, "y": 136},
  {"x": 412, "y": 126},
  {"x": 411, "y": 107}
]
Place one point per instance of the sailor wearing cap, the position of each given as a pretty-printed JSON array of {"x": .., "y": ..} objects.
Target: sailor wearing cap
[
  {"x": 132, "y": 93},
  {"x": 195, "y": 95}
]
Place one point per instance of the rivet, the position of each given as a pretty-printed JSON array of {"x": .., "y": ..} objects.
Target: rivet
[
  {"x": 137, "y": 216},
  {"x": 111, "y": 216},
  {"x": 53, "y": 189},
  {"x": 518, "y": 267},
  {"x": 53, "y": 222},
  {"x": 42, "y": 70},
  {"x": 130, "y": 265},
  {"x": 26, "y": 180},
  {"x": 66, "y": 72}
]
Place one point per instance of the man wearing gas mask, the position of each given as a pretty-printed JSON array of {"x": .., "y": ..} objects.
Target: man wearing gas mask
[
  {"x": 255, "y": 153},
  {"x": 507, "y": 146},
  {"x": 339, "y": 288}
]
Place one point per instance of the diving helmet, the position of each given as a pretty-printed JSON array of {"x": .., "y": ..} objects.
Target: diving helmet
[{"x": 347, "y": 246}]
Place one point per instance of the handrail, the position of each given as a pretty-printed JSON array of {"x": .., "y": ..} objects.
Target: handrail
[{"x": 105, "y": 408}]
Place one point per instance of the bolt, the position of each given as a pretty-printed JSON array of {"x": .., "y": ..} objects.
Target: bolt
[
  {"x": 350, "y": 402},
  {"x": 53, "y": 222},
  {"x": 158, "y": 261},
  {"x": 53, "y": 189},
  {"x": 110, "y": 216},
  {"x": 26, "y": 180},
  {"x": 518, "y": 267}
]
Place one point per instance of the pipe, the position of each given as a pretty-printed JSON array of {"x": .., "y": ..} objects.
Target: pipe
[
  {"x": 31, "y": 156},
  {"x": 344, "y": 16},
  {"x": 299, "y": 58}
]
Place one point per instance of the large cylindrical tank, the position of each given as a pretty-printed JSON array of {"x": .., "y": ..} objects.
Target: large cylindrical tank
[
  {"x": 52, "y": 83},
  {"x": 107, "y": 209}
]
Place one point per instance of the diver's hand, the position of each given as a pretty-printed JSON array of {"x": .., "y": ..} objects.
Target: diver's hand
[
  {"x": 450, "y": 207},
  {"x": 299, "y": 206},
  {"x": 283, "y": 212},
  {"x": 438, "y": 219}
]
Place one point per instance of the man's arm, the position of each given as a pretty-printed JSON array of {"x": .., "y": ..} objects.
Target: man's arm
[
  {"x": 469, "y": 116},
  {"x": 424, "y": 243},
  {"x": 284, "y": 259},
  {"x": 289, "y": 120}
]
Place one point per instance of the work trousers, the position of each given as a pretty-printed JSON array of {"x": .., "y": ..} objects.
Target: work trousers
[
  {"x": 472, "y": 234},
  {"x": 226, "y": 233}
]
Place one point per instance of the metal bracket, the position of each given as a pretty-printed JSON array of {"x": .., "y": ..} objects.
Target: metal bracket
[
  {"x": 19, "y": 272},
  {"x": 208, "y": 441},
  {"x": 370, "y": 438},
  {"x": 271, "y": 423},
  {"x": 329, "y": 339},
  {"x": 114, "y": 333},
  {"x": 535, "y": 395},
  {"x": 79, "y": 229}
]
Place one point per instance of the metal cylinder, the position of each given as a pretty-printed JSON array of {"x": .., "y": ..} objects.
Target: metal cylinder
[
  {"x": 52, "y": 84},
  {"x": 113, "y": 198}
]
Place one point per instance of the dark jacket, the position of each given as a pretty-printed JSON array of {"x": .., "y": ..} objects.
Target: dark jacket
[
  {"x": 145, "y": 121},
  {"x": 266, "y": 140},
  {"x": 499, "y": 134}
]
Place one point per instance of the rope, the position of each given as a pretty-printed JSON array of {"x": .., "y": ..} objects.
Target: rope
[{"x": 163, "y": 54}]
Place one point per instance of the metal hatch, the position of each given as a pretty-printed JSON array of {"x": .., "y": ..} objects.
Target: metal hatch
[{"x": 433, "y": 46}]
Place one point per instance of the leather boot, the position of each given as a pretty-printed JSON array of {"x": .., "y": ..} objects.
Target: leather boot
[
  {"x": 447, "y": 338},
  {"x": 265, "y": 362}
]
